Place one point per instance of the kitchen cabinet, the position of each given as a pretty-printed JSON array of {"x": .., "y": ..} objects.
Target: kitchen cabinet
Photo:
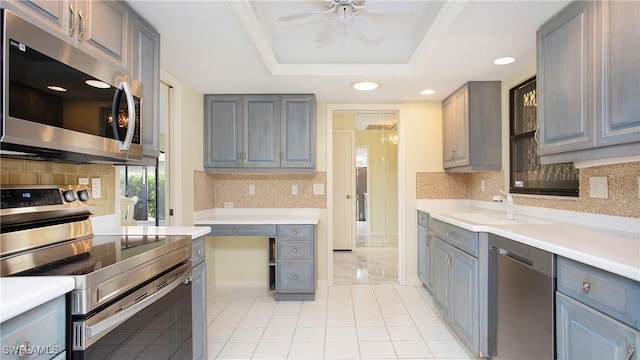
[
  {"x": 100, "y": 28},
  {"x": 199, "y": 299},
  {"x": 36, "y": 334},
  {"x": 588, "y": 85},
  {"x": 471, "y": 128},
  {"x": 258, "y": 133},
  {"x": 145, "y": 67},
  {"x": 456, "y": 274},
  {"x": 424, "y": 250},
  {"x": 597, "y": 313}
]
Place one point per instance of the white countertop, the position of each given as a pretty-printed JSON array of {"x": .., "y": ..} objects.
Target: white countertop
[
  {"x": 20, "y": 294},
  {"x": 258, "y": 216},
  {"x": 561, "y": 232},
  {"x": 193, "y": 231}
]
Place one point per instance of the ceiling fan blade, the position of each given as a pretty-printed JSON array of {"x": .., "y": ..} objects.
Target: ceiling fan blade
[
  {"x": 328, "y": 30},
  {"x": 385, "y": 7},
  {"x": 366, "y": 27},
  {"x": 299, "y": 16}
]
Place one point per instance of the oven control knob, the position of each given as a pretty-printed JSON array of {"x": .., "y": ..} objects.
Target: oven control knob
[
  {"x": 69, "y": 195},
  {"x": 84, "y": 195}
]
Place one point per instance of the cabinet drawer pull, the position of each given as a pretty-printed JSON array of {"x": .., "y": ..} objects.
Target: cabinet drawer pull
[
  {"x": 295, "y": 232},
  {"x": 586, "y": 287},
  {"x": 295, "y": 277},
  {"x": 198, "y": 252},
  {"x": 235, "y": 230},
  {"x": 630, "y": 351},
  {"x": 295, "y": 250}
]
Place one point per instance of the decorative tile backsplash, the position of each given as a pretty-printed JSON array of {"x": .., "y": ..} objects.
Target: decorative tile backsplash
[
  {"x": 28, "y": 172},
  {"x": 271, "y": 190},
  {"x": 623, "y": 199}
]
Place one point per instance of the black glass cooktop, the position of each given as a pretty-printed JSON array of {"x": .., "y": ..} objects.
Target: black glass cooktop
[{"x": 106, "y": 251}]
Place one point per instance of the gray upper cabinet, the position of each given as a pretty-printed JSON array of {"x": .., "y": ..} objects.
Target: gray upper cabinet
[
  {"x": 145, "y": 66},
  {"x": 259, "y": 133},
  {"x": 588, "y": 82},
  {"x": 471, "y": 124},
  {"x": 100, "y": 28}
]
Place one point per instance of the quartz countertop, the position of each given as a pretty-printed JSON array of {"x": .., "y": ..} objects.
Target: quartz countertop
[
  {"x": 193, "y": 231},
  {"x": 606, "y": 242},
  {"x": 21, "y": 294},
  {"x": 258, "y": 216}
]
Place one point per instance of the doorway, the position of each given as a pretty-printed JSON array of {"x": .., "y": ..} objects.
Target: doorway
[{"x": 377, "y": 232}]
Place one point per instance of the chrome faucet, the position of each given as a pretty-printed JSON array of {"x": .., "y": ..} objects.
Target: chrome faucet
[{"x": 508, "y": 202}]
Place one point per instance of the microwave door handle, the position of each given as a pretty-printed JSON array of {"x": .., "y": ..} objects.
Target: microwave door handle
[{"x": 124, "y": 88}]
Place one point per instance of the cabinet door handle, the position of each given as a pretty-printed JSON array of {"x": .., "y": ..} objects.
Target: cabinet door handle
[
  {"x": 630, "y": 351},
  {"x": 586, "y": 287},
  {"x": 536, "y": 135},
  {"x": 82, "y": 25},
  {"x": 73, "y": 21}
]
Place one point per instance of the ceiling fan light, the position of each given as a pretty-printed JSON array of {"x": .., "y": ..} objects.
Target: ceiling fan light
[
  {"x": 504, "y": 60},
  {"x": 365, "y": 85},
  {"x": 427, "y": 92}
]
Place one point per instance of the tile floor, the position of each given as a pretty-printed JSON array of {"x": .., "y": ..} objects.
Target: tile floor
[{"x": 366, "y": 317}]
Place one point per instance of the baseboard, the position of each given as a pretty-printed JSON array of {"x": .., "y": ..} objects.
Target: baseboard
[{"x": 241, "y": 283}]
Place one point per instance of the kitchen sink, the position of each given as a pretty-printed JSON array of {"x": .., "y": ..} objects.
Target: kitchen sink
[{"x": 494, "y": 219}]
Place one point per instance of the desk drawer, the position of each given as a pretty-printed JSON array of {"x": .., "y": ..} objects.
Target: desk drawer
[
  {"x": 295, "y": 276},
  {"x": 243, "y": 230},
  {"x": 423, "y": 219},
  {"x": 295, "y": 250},
  {"x": 611, "y": 294},
  {"x": 295, "y": 232},
  {"x": 197, "y": 251},
  {"x": 463, "y": 239}
]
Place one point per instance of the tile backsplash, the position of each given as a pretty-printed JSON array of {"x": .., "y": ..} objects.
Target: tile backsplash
[
  {"x": 271, "y": 190},
  {"x": 623, "y": 198},
  {"x": 28, "y": 172}
]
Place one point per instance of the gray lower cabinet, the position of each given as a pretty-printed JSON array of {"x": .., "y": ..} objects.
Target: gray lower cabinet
[
  {"x": 455, "y": 282},
  {"x": 471, "y": 128},
  {"x": 425, "y": 263},
  {"x": 39, "y": 333},
  {"x": 248, "y": 133},
  {"x": 199, "y": 299},
  {"x": 145, "y": 67},
  {"x": 597, "y": 313},
  {"x": 295, "y": 262},
  {"x": 587, "y": 87}
]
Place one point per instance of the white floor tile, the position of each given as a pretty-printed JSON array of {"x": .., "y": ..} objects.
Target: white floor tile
[
  {"x": 377, "y": 350},
  {"x": 247, "y": 334},
  {"x": 341, "y": 350},
  {"x": 274, "y": 350},
  {"x": 397, "y": 319},
  {"x": 283, "y": 321},
  {"x": 255, "y": 320},
  {"x": 341, "y": 333},
  {"x": 369, "y": 320},
  {"x": 237, "y": 351},
  {"x": 278, "y": 334},
  {"x": 313, "y": 308},
  {"x": 287, "y": 308},
  {"x": 306, "y": 350},
  {"x": 367, "y": 308},
  {"x": 213, "y": 348},
  {"x": 312, "y": 320},
  {"x": 404, "y": 333},
  {"x": 340, "y": 320},
  {"x": 339, "y": 308},
  {"x": 412, "y": 350},
  {"x": 435, "y": 332},
  {"x": 339, "y": 299},
  {"x": 372, "y": 333},
  {"x": 393, "y": 308},
  {"x": 447, "y": 349},
  {"x": 219, "y": 333},
  {"x": 302, "y": 334}
]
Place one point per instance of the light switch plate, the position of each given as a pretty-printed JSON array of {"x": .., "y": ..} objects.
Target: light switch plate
[
  {"x": 96, "y": 191},
  {"x": 318, "y": 189},
  {"x": 294, "y": 189},
  {"x": 598, "y": 187},
  {"x": 252, "y": 189},
  {"x": 83, "y": 181}
]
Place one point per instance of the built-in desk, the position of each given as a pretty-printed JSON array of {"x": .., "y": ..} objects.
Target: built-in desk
[{"x": 291, "y": 244}]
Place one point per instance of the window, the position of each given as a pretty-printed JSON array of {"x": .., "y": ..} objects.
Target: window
[
  {"x": 527, "y": 175},
  {"x": 147, "y": 184}
]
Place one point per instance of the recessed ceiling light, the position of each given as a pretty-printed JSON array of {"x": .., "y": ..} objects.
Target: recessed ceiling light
[
  {"x": 365, "y": 85},
  {"x": 504, "y": 61},
  {"x": 97, "y": 84},
  {"x": 56, "y": 88},
  {"x": 427, "y": 92}
]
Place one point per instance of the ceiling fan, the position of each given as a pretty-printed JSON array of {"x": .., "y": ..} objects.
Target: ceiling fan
[{"x": 354, "y": 14}]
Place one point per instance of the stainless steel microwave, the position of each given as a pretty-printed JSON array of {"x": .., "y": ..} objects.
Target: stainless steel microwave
[{"x": 61, "y": 103}]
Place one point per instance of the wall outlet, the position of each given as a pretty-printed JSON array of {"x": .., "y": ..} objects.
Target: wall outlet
[
  {"x": 318, "y": 189},
  {"x": 294, "y": 189},
  {"x": 252, "y": 189},
  {"x": 83, "y": 181},
  {"x": 96, "y": 191},
  {"x": 228, "y": 204},
  {"x": 598, "y": 187},
  {"x": 481, "y": 185}
]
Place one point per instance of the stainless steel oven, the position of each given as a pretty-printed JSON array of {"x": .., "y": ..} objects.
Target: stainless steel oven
[
  {"x": 59, "y": 102},
  {"x": 132, "y": 296}
]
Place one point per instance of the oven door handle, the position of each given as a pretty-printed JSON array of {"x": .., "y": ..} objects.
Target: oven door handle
[{"x": 85, "y": 335}]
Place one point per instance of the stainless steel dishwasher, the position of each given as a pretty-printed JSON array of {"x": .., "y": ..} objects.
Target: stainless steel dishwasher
[{"x": 521, "y": 301}]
